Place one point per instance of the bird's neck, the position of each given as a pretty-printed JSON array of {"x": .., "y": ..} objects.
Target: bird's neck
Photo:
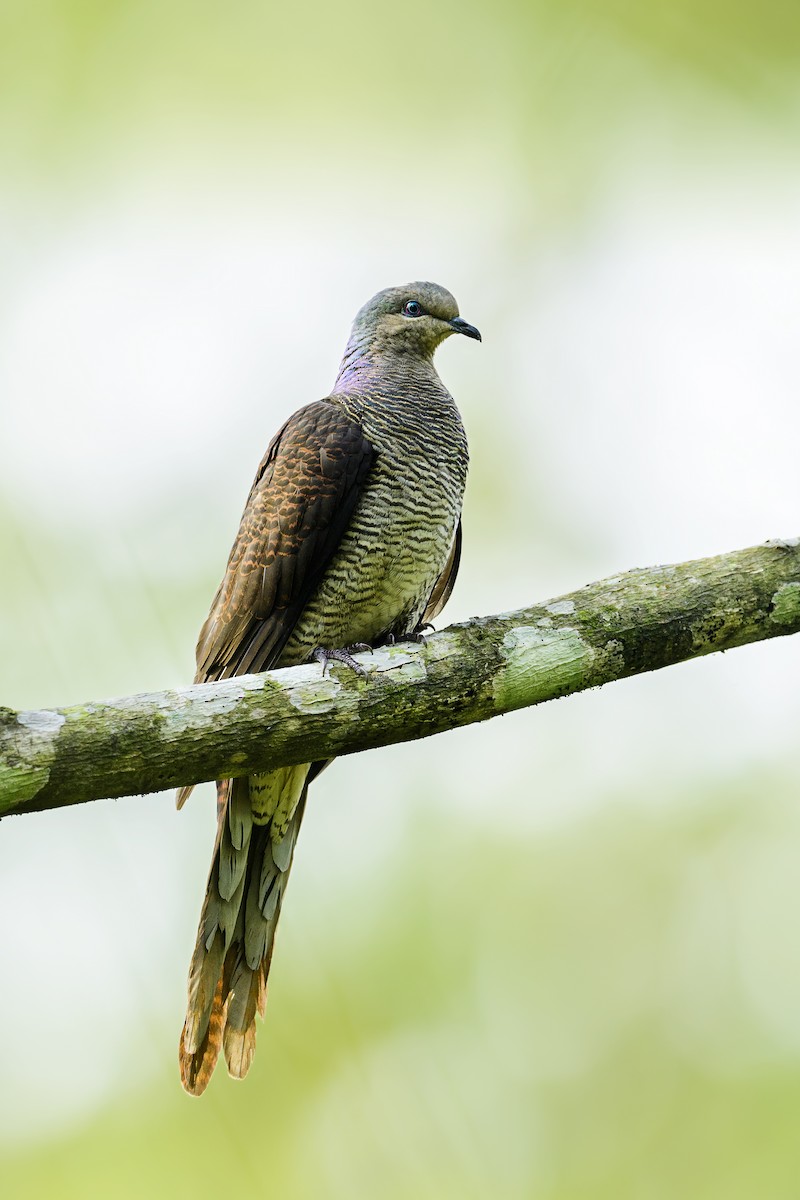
[{"x": 365, "y": 367}]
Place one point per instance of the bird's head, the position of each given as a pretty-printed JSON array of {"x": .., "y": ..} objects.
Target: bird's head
[{"x": 413, "y": 319}]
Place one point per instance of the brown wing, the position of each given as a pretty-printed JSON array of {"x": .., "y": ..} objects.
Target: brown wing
[
  {"x": 446, "y": 582},
  {"x": 300, "y": 504}
]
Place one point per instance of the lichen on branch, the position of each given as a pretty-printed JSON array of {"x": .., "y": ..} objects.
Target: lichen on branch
[{"x": 640, "y": 621}]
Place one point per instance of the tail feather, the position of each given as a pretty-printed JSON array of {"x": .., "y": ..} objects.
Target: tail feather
[
  {"x": 228, "y": 974},
  {"x": 233, "y": 839},
  {"x": 240, "y": 1049},
  {"x": 204, "y": 977},
  {"x": 183, "y": 794},
  {"x": 239, "y": 1039},
  {"x": 258, "y": 923},
  {"x": 197, "y": 1063},
  {"x": 263, "y": 971}
]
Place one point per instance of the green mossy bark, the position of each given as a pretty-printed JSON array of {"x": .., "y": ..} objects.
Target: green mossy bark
[{"x": 640, "y": 621}]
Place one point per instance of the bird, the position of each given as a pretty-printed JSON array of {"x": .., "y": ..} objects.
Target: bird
[{"x": 350, "y": 538}]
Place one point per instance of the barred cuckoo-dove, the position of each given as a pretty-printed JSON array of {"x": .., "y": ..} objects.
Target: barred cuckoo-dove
[{"x": 351, "y": 535}]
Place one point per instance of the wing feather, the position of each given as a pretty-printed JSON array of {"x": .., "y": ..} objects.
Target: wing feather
[
  {"x": 444, "y": 585},
  {"x": 301, "y": 502}
]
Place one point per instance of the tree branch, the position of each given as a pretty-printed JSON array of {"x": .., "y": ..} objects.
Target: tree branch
[{"x": 640, "y": 621}]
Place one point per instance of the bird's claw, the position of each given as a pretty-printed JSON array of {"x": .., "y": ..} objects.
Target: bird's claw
[
  {"x": 344, "y": 656},
  {"x": 418, "y": 636},
  {"x": 389, "y": 639}
]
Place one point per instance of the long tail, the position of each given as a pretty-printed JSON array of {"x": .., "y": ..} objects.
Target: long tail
[{"x": 259, "y": 820}]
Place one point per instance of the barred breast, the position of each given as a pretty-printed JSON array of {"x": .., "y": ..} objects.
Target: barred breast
[{"x": 402, "y": 530}]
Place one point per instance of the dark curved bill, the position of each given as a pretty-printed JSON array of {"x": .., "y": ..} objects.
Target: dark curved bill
[{"x": 461, "y": 326}]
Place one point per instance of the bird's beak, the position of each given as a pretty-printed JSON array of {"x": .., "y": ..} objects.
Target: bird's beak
[{"x": 461, "y": 326}]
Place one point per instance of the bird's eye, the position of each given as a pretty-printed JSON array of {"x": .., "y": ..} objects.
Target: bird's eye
[{"x": 412, "y": 308}]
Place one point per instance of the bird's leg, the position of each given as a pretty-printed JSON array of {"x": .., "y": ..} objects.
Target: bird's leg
[
  {"x": 419, "y": 635},
  {"x": 323, "y": 655}
]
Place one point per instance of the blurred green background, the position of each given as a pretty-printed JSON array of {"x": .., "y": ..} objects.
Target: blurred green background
[{"x": 551, "y": 957}]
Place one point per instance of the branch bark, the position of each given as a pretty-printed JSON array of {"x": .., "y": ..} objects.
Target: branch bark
[{"x": 640, "y": 621}]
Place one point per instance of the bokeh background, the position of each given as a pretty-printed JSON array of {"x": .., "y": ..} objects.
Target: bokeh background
[{"x": 552, "y": 957}]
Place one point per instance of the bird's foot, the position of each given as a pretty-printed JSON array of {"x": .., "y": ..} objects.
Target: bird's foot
[
  {"x": 390, "y": 639},
  {"x": 344, "y": 656}
]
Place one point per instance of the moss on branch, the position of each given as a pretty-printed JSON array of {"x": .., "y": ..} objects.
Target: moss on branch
[{"x": 640, "y": 621}]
